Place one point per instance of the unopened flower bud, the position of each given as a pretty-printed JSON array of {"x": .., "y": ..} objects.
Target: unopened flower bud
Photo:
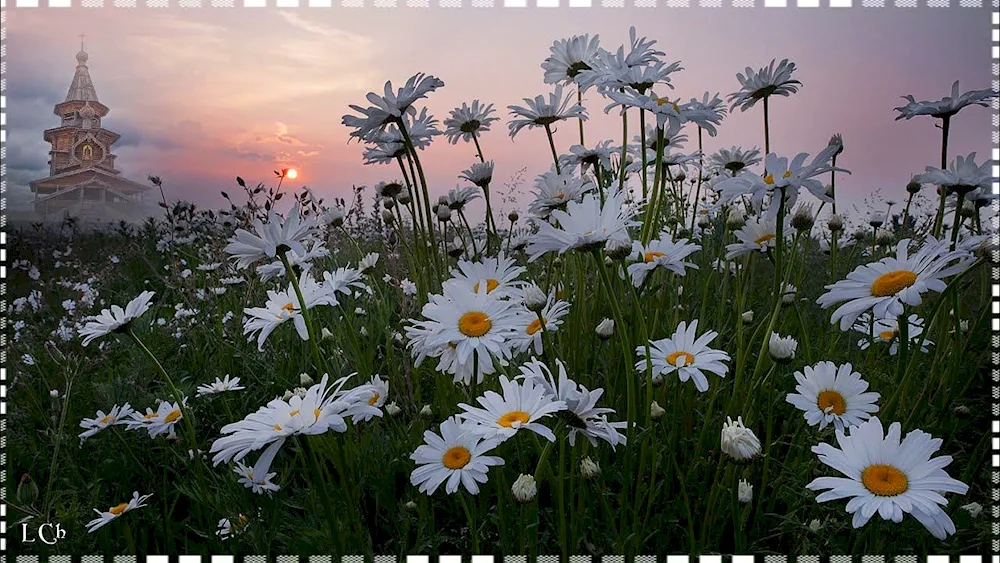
[
  {"x": 388, "y": 217},
  {"x": 325, "y": 334},
  {"x": 803, "y": 219},
  {"x": 426, "y": 411},
  {"x": 589, "y": 469},
  {"x": 512, "y": 216},
  {"x": 973, "y": 508},
  {"x": 404, "y": 197},
  {"x": 410, "y": 505},
  {"x": 393, "y": 409},
  {"x": 524, "y": 488},
  {"x": 913, "y": 187},
  {"x": 443, "y": 213},
  {"x": 815, "y": 525},
  {"x": 744, "y": 491},
  {"x": 617, "y": 249},
  {"x": 835, "y": 223},
  {"x": 656, "y": 412},
  {"x": 788, "y": 294},
  {"x": 605, "y": 329},
  {"x": 782, "y": 350},
  {"x": 534, "y": 298},
  {"x": 885, "y": 239},
  {"x": 738, "y": 441},
  {"x": 305, "y": 380},
  {"x": 747, "y": 317}
]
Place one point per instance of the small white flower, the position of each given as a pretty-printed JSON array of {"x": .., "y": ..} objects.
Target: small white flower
[
  {"x": 426, "y": 411},
  {"x": 738, "y": 441},
  {"x": 54, "y": 393},
  {"x": 28, "y": 360},
  {"x": 524, "y": 488},
  {"x": 408, "y": 287},
  {"x": 605, "y": 329},
  {"x": 534, "y": 298},
  {"x": 782, "y": 349},
  {"x": 973, "y": 508},
  {"x": 815, "y": 525},
  {"x": 745, "y": 491},
  {"x": 589, "y": 468},
  {"x": 747, "y": 317},
  {"x": 393, "y": 409},
  {"x": 219, "y": 386},
  {"x": 656, "y": 411}
]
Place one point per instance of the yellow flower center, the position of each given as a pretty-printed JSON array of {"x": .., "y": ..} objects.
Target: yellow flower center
[
  {"x": 288, "y": 307},
  {"x": 491, "y": 284},
  {"x": 560, "y": 195},
  {"x": 652, "y": 255},
  {"x": 456, "y": 457},
  {"x": 765, "y": 239},
  {"x": 293, "y": 413},
  {"x": 832, "y": 400},
  {"x": 788, "y": 174},
  {"x": 107, "y": 420},
  {"x": 117, "y": 510},
  {"x": 884, "y": 480},
  {"x": 373, "y": 400},
  {"x": 316, "y": 413},
  {"x": 174, "y": 415},
  {"x": 150, "y": 416},
  {"x": 536, "y": 325},
  {"x": 277, "y": 428},
  {"x": 510, "y": 418},
  {"x": 675, "y": 358},
  {"x": 888, "y": 334},
  {"x": 892, "y": 283},
  {"x": 474, "y": 324},
  {"x": 664, "y": 101}
]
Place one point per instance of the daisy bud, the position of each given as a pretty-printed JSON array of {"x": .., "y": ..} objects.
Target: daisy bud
[
  {"x": 443, "y": 213},
  {"x": 835, "y": 223},
  {"x": 680, "y": 176},
  {"x": 456, "y": 248},
  {"x": 426, "y": 411},
  {"x": 411, "y": 505},
  {"x": 747, "y": 317},
  {"x": 605, "y": 329},
  {"x": 738, "y": 441},
  {"x": 326, "y": 334},
  {"x": 704, "y": 222},
  {"x": 828, "y": 191},
  {"x": 968, "y": 209},
  {"x": 589, "y": 469},
  {"x": 363, "y": 331},
  {"x": 656, "y": 412},
  {"x": 27, "y": 490},
  {"x": 885, "y": 239},
  {"x": 305, "y": 380},
  {"x": 388, "y": 202},
  {"x": 788, "y": 295},
  {"x": 683, "y": 233},
  {"x": 803, "y": 219},
  {"x": 735, "y": 219},
  {"x": 534, "y": 298},
  {"x": 388, "y": 217},
  {"x": 393, "y": 409},
  {"x": 876, "y": 220},
  {"x": 963, "y": 325},
  {"x": 837, "y": 141},
  {"x": 404, "y": 197},
  {"x": 913, "y": 187},
  {"x": 512, "y": 216},
  {"x": 973, "y": 508},
  {"x": 54, "y": 393},
  {"x": 745, "y": 491},
  {"x": 961, "y": 410},
  {"x": 287, "y": 395},
  {"x": 782, "y": 350},
  {"x": 524, "y": 488},
  {"x": 672, "y": 221},
  {"x": 814, "y": 525}
]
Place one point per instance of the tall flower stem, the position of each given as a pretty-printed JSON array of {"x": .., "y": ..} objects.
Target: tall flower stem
[
  {"x": 621, "y": 163},
  {"x": 472, "y": 237},
  {"x": 653, "y": 205},
  {"x": 833, "y": 185},
  {"x": 552, "y": 145},
  {"x": 642, "y": 150},
  {"x": 779, "y": 244},
  {"x": 423, "y": 186},
  {"x": 479, "y": 149},
  {"x": 957, "y": 222},
  {"x": 767, "y": 130},
  {"x": 697, "y": 191},
  {"x": 939, "y": 218},
  {"x": 471, "y": 517},
  {"x": 579, "y": 100},
  {"x": 304, "y": 310}
]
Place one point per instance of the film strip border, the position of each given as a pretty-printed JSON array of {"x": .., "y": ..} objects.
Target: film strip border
[
  {"x": 502, "y": 559},
  {"x": 3, "y": 283},
  {"x": 502, "y": 3},
  {"x": 995, "y": 290}
]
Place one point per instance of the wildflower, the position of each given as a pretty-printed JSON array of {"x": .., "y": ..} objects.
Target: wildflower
[
  {"x": 902, "y": 477},
  {"x": 390, "y": 107},
  {"x": 803, "y": 219},
  {"x": 829, "y": 393},
  {"x": 738, "y": 441},
  {"x": 835, "y": 223},
  {"x": 410, "y": 505},
  {"x": 656, "y": 412},
  {"x": 539, "y": 113},
  {"x": 54, "y": 393},
  {"x": 734, "y": 159},
  {"x": 426, "y": 411},
  {"x": 605, "y": 329},
  {"x": 454, "y": 457},
  {"x": 887, "y": 331},
  {"x": 744, "y": 491},
  {"x": 583, "y": 226},
  {"x": 589, "y": 468},
  {"x": 409, "y": 288},
  {"x": 962, "y": 176},
  {"x": 393, "y": 409},
  {"x": 284, "y": 305},
  {"x": 534, "y": 298},
  {"x": 788, "y": 294},
  {"x": 277, "y": 235},
  {"x": 103, "y": 518},
  {"x": 467, "y": 122},
  {"x": 764, "y": 83},
  {"x": 368, "y": 262},
  {"x": 219, "y": 386},
  {"x": 885, "y": 286},
  {"x": 782, "y": 349},
  {"x": 945, "y": 107},
  {"x": 668, "y": 114},
  {"x": 524, "y": 488},
  {"x": 553, "y": 191},
  {"x": 814, "y": 525},
  {"x": 529, "y": 327},
  {"x": 499, "y": 274},
  {"x": 662, "y": 253},
  {"x": 157, "y": 422},
  {"x": 117, "y": 415},
  {"x": 686, "y": 355},
  {"x": 258, "y": 478},
  {"x": 758, "y": 234},
  {"x": 521, "y": 406},
  {"x": 973, "y": 508},
  {"x": 569, "y": 57},
  {"x": 115, "y": 319}
]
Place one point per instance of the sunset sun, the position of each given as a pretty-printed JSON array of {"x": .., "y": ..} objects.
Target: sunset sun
[{"x": 292, "y": 173}]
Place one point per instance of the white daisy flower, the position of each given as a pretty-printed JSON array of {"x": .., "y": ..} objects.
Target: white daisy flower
[
  {"x": 686, "y": 355},
  {"x": 529, "y": 326},
  {"x": 738, "y": 441},
  {"x": 103, "y": 518},
  {"x": 289, "y": 233},
  {"x": 946, "y": 107},
  {"x": 763, "y": 83},
  {"x": 661, "y": 253},
  {"x": 115, "y": 319},
  {"x": 554, "y": 191},
  {"x": 885, "y": 286},
  {"x": 582, "y": 416},
  {"x": 758, "y": 234},
  {"x": 454, "y": 457},
  {"x": 390, "y": 107},
  {"x": 887, "y": 476},
  {"x": 887, "y": 331},
  {"x": 117, "y": 415},
  {"x": 585, "y": 158},
  {"x": 830, "y": 393},
  {"x": 963, "y": 175},
  {"x": 220, "y": 386},
  {"x": 258, "y": 478},
  {"x": 284, "y": 305},
  {"x": 500, "y": 275},
  {"x": 734, "y": 159},
  {"x": 569, "y": 57},
  {"x": 520, "y": 407},
  {"x": 373, "y": 393},
  {"x": 368, "y": 262},
  {"x": 467, "y": 122},
  {"x": 276, "y": 269},
  {"x": 480, "y": 173},
  {"x": 539, "y": 113},
  {"x": 160, "y": 421},
  {"x": 668, "y": 114},
  {"x": 342, "y": 280},
  {"x": 584, "y": 226}
]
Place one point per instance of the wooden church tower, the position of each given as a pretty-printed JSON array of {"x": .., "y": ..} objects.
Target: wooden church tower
[{"x": 82, "y": 180}]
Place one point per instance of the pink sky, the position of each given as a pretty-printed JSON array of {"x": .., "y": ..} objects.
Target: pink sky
[{"x": 203, "y": 95}]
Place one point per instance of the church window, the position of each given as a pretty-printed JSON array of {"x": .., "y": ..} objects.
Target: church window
[{"x": 88, "y": 153}]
